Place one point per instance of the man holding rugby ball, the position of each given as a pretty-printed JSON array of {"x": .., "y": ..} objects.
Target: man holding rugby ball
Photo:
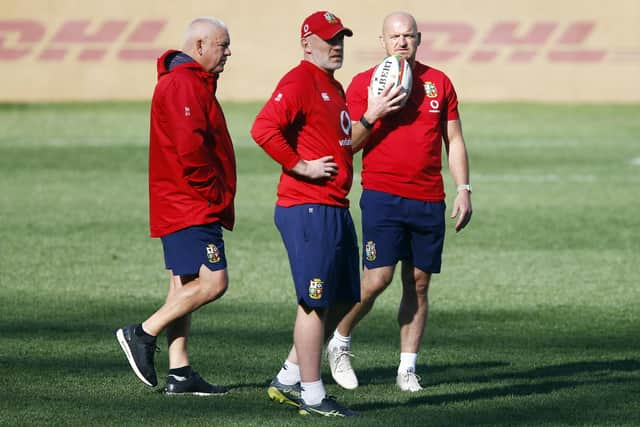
[{"x": 403, "y": 199}]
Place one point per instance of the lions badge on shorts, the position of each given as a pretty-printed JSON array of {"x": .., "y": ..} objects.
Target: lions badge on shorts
[
  {"x": 315, "y": 288},
  {"x": 370, "y": 251},
  {"x": 213, "y": 253}
]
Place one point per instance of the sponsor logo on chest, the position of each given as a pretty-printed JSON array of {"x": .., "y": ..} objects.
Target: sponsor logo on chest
[
  {"x": 345, "y": 124},
  {"x": 431, "y": 91}
]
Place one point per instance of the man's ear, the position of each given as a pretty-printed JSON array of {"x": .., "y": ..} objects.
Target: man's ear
[{"x": 306, "y": 46}]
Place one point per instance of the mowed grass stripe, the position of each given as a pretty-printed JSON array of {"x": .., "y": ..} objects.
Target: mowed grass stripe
[{"x": 533, "y": 321}]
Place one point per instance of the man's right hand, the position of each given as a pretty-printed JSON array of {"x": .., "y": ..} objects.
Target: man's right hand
[
  {"x": 324, "y": 167},
  {"x": 389, "y": 101}
]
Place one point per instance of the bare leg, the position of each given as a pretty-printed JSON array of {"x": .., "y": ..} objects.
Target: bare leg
[
  {"x": 178, "y": 330},
  {"x": 293, "y": 356},
  {"x": 334, "y": 316},
  {"x": 414, "y": 307},
  {"x": 186, "y": 298},
  {"x": 373, "y": 283},
  {"x": 185, "y": 295},
  {"x": 308, "y": 335},
  {"x": 177, "y": 340}
]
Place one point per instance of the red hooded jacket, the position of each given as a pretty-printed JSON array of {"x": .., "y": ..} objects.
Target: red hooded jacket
[{"x": 192, "y": 166}]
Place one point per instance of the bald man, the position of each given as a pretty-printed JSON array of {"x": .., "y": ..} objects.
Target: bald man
[
  {"x": 192, "y": 184},
  {"x": 403, "y": 199}
]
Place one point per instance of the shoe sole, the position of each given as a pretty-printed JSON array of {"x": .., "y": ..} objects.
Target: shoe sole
[
  {"x": 277, "y": 396},
  {"x": 410, "y": 390},
  {"x": 127, "y": 351},
  {"x": 307, "y": 412},
  {"x": 196, "y": 393}
]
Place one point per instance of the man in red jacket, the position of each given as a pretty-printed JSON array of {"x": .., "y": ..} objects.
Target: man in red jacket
[
  {"x": 306, "y": 128},
  {"x": 192, "y": 184}
]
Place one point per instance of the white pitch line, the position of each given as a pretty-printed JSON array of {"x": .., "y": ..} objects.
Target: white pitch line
[{"x": 636, "y": 161}]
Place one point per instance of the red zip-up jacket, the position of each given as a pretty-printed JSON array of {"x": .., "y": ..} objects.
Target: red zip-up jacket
[{"x": 192, "y": 166}]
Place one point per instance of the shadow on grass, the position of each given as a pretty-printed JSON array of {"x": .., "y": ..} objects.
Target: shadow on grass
[
  {"x": 566, "y": 369},
  {"x": 543, "y": 381},
  {"x": 71, "y": 347}
]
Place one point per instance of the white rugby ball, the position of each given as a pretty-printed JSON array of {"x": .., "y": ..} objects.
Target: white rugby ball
[{"x": 392, "y": 70}]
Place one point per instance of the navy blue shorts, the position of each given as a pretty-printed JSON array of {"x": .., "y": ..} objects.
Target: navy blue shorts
[
  {"x": 187, "y": 249},
  {"x": 395, "y": 228},
  {"x": 323, "y": 253}
]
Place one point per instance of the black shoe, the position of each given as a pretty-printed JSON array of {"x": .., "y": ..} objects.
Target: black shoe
[
  {"x": 281, "y": 393},
  {"x": 139, "y": 354},
  {"x": 194, "y": 384},
  {"x": 327, "y": 408}
]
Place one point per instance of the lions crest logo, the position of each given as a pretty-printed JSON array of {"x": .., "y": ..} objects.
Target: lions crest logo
[
  {"x": 430, "y": 90},
  {"x": 315, "y": 288},
  {"x": 331, "y": 19},
  {"x": 370, "y": 251},
  {"x": 213, "y": 253}
]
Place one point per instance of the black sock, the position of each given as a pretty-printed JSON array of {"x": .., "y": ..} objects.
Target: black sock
[
  {"x": 142, "y": 334},
  {"x": 185, "y": 371}
]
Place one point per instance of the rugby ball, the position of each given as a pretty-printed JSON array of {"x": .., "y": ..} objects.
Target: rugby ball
[{"x": 392, "y": 70}]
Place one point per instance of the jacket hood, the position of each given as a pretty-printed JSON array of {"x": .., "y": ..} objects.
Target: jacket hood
[{"x": 165, "y": 60}]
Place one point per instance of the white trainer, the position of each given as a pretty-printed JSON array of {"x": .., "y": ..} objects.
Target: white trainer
[
  {"x": 341, "y": 370},
  {"x": 408, "y": 381}
]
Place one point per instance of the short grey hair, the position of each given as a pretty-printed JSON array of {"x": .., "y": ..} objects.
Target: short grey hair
[{"x": 198, "y": 25}]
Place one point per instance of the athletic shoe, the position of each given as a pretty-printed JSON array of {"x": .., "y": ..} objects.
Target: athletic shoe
[
  {"x": 281, "y": 393},
  {"x": 408, "y": 381},
  {"x": 327, "y": 408},
  {"x": 139, "y": 354},
  {"x": 341, "y": 370},
  {"x": 194, "y": 385}
]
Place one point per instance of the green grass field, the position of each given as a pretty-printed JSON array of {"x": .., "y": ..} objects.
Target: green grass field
[{"x": 535, "y": 319}]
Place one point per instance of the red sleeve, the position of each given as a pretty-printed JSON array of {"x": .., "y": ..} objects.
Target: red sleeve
[
  {"x": 357, "y": 96},
  {"x": 452, "y": 100},
  {"x": 189, "y": 115},
  {"x": 274, "y": 121}
]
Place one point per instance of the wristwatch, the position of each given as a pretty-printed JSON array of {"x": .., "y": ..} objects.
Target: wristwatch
[
  {"x": 464, "y": 187},
  {"x": 365, "y": 123}
]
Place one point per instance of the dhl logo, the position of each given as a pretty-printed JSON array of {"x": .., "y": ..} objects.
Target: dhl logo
[
  {"x": 512, "y": 42},
  {"x": 442, "y": 41},
  {"x": 84, "y": 40}
]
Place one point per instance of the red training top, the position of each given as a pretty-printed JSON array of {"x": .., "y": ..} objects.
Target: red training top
[
  {"x": 403, "y": 155},
  {"x": 192, "y": 166},
  {"x": 306, "y": 118}
]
